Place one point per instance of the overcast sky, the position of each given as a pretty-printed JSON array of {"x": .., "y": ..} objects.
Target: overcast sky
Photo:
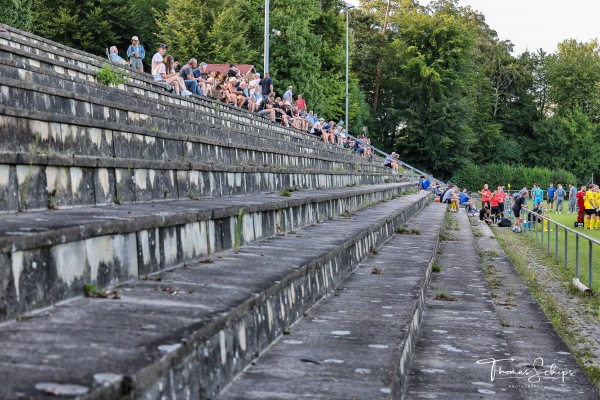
[{"x": 534, "y": 24}]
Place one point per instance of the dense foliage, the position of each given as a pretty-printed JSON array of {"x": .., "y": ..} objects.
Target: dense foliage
[{"x": 434, "y": 83}]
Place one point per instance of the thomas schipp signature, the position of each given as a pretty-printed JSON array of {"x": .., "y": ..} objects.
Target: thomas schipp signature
[{"x": 533, "y": 373}]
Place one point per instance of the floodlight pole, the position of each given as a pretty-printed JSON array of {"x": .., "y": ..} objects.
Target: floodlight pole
[
  {"x": 266, "y": 65},
  {"x": 348, "y": 7}
]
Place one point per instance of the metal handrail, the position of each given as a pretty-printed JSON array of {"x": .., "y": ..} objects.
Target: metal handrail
[
  {"x": 404, "y": 165},
  {"x": 532, "y": 217}
]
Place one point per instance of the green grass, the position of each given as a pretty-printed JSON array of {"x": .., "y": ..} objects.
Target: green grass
[{"x": 568, "y": 221}]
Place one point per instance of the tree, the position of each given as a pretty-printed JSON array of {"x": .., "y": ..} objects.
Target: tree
[
  {"x": 574, "y": 77},
  {"x": 227, "y": 38},
  {"x": 294, "y": 56},
  {"x": 16, "y": 13},
  {"x": 89, "y": 25}
]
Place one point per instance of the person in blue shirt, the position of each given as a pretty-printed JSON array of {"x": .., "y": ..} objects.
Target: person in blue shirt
[
  {"x": 424, "y": 182},
  {"x": 550, "y": 196},
  {"x": 136, "y": 54},
  {"x": 114, "y": 56},
  {"x": 538, "y": 194},
  {"x": 560, "y": 198}
]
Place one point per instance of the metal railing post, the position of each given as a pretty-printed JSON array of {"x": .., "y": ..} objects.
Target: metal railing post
[
  {"x": 566, "y": 248},
  {"x": 556, "y": 242},
  {"x": 591, "y": 257},
  {"x": 577, "y": 256}
]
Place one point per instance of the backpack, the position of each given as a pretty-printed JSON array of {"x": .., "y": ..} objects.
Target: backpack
[{"x": 504, "y": 223}]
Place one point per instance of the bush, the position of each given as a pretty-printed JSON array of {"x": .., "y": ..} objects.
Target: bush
[
  {"x": 474, "y": 177},
  {"x": 107, "y": 76}
]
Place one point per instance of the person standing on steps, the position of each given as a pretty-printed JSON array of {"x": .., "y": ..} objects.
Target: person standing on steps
[
  {"x": 266, "y": 86},
  {"x": 136, "y": 54}
]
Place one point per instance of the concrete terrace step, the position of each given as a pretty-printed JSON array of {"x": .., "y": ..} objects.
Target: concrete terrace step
[
  {"x": 28, "y": 59},
  {"x": 188, "y": 333},
  {"x": 455, "y": 335},
  {"x": 47, "y": 257},
  {"x": 356, "y": 342}
]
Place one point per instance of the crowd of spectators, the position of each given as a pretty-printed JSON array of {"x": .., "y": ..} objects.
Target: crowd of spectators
[{"x": 253, "y": 93}]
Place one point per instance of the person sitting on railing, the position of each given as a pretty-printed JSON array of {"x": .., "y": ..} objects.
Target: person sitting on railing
[
  {"x": 114, "y": 56},
  {"x": 392, "y": 163},
  {"x": 136, "y": 54}
]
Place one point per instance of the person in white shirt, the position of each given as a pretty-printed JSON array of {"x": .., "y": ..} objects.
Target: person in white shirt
[{"x": 157, "y": 59}]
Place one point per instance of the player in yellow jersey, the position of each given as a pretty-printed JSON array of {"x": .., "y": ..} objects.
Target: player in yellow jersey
[
  {"x": 589, "y": 202},
  {"x": 597, "y": 219}
]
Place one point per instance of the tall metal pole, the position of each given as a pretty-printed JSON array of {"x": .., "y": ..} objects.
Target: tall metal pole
[
  {"x": 348, "y": 7},
  {"x": 266, "y": 66}
]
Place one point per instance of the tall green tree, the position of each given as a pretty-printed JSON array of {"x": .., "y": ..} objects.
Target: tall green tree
[
  {"x": 227, "y": 38},
  {"x": 294, "y": 56},
  {"x": 17, "y": 13},
  {"x": 574, "y": 77},
  {"x": 89, "y": 25}
]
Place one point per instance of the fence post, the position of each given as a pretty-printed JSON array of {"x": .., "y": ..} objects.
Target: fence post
[
  {"x": 577, "y": 256},
  {"x": 566, "y": 248},
  {"x": 556, "y": 242},
  {"x": 590, "y": 263}
]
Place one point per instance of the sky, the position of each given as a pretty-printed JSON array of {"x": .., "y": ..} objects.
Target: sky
[{"x": 534, "y": 24}]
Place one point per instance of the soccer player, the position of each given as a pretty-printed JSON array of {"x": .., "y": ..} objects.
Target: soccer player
[
  {"x": 550, "y": 196},
  {"x": 589, "y": 202},
  {"x": 581, "y": 204}
]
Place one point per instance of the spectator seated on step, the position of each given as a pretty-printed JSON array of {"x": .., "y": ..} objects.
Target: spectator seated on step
[
  {"x": 205, "y": 81},
  {"x": 424, "y": 182},
  {"x": 187, "y": 74},
  {"x": 165, "y": 72},
  {"x": 317, "y": 128},
  {"x": 361, "y": 146},
  {"x": 114, "y": 56},
  {"x": 484, "y": 214},
  {"x": 267, "y": 107},
  {"x": 451, "y": 197},
  {"x": 391, "y": 162},
  {"x": 465, "y": 200}
]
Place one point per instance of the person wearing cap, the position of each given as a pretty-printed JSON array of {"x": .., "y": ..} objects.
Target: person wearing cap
[
  {"x": 158, "y": 57},
  {"x": 136, "y": 54},
  {"x": 114, "y": 56},
  {"x": 287, "y": 96},
  {"x": 391, "y": 162}
]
